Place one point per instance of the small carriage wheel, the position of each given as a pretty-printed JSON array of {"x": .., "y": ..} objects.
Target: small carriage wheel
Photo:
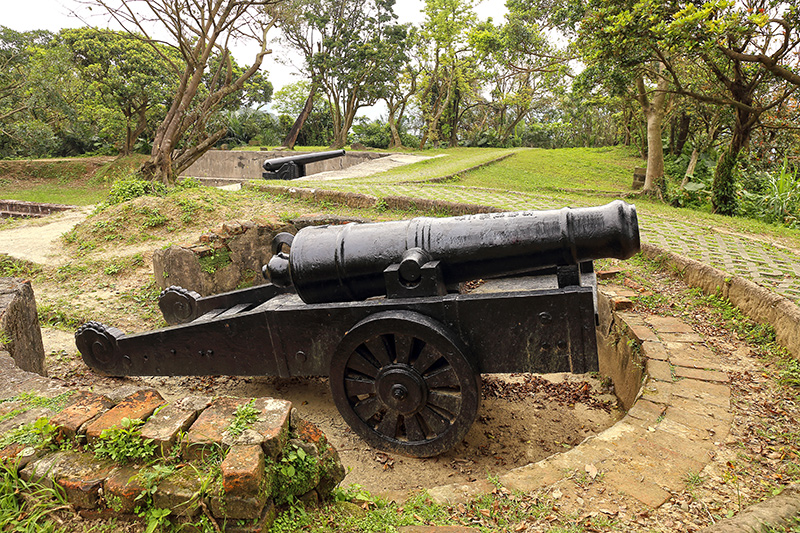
[
  {"x": 98, "y": 346},
  {"x": 178, "y": 305},
  {"x": 405, "y": 384}
]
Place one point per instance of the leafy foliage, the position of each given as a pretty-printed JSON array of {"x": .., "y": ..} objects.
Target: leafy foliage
[{"x": 124, "y": 444}]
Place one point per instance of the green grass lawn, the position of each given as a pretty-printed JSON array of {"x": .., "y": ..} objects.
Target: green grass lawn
[
  {"x": 55, "y": 193},
  {"x": 567, "y": 169}
]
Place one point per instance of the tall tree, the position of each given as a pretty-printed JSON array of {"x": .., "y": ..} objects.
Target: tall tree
[
  {"x": 448, "y": 66},
  {"x": 741, "y": 46},
  {"x": 616, "y": 38},
  {"x": 352, "y": 51},
  {"x": 201, "y": 32},
  {"x": 126, "y": 72},
  {"x": 523, "y": 67}
]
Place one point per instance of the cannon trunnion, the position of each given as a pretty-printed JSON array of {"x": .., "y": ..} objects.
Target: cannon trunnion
[{"x": 404, "y": 369}]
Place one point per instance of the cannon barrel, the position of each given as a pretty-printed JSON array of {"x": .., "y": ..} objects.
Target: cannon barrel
[
  {"x": 347, "y": 263},
  {"x": 301, "y": 159}
]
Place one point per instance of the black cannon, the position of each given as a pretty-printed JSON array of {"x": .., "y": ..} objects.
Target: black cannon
[
  {"x": 294, "y": 166},
  {"x": 380, "y": 309}
]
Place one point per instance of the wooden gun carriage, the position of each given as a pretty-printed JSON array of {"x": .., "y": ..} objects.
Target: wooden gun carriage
[{"x": 377, "y": 308}]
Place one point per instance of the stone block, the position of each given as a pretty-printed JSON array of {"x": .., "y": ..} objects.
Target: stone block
[
  {"x": 138, "y": 405},
  {"x": 237, "y": 507},
  {"x": 83, "y": 407},
  {"x": 620, "y": 303},
  {"x": 262, "y": 525},
  {"x": 243, "y": 470},
  {"x": 655, "y": 350},
  {"x": 658, "y": 392},
  {"x": 121, "y": 488},
  {"x": 271, "y": 429},
  {"x": 716, "y": 428},
  {"x": 680, "y": 337},
  {"x": 174, "y": 418},
  {"x": 711, "y": 393},
  {"x": 19, "y": 323},
  {"x": 207, "y": 432},
  {"x": 180, "y": 492},
  {"x": 701, "y": 375},
  {"x": 692, "y": 356},
  {"x": 668, "y": 324},
  {"x": 642, "y": 333},
  {"x": 331, "y": 472},
  {"x": 17, "y": 456},
  {"x": 79, "y": 474},
  {"x": 659, "y": 370},
  {"x": 531, "y": 477},
  {"x": 636, "y": 486},
  {"x": 23, "y": 418},
  {"x": 647, "y": 411},
  {"x": 682, "y": 444}
]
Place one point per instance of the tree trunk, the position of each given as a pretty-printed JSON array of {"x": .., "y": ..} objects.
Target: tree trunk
[
  {"x": 683, "y": 133},
  {"x": 723, "y": 193},
  {"x": 395, "y": 141},
  {"x": 655, "y": 152},
  {"x": 291, "y": 138},
  {"x": 654, "y": 112},
  {"x": 690, "y": 169}
]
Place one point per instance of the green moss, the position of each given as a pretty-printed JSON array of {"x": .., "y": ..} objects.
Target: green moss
[{"x": 215, "y": 261}]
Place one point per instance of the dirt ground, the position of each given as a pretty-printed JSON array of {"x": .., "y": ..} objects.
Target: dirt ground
[{"x": 517, "y": 424}]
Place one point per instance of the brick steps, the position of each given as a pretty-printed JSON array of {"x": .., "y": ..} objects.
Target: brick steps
[{"x": 230, "y": 475}]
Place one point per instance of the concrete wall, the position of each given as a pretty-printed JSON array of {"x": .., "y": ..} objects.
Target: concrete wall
[{"x": 247, "y": 165}]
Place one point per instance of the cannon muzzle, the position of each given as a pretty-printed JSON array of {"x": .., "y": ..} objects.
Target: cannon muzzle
[{"x": 351, "y": 262}]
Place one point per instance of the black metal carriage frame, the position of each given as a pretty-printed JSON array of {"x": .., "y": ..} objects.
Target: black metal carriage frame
[{"x": 404, "y": 373}]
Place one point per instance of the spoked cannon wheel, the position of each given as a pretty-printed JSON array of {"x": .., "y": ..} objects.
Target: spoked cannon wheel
[{"x": 405, "y": 384}]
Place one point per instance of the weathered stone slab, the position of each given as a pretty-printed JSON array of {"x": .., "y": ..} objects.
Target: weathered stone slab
[
  {"x": 180, "y": 492},
  {"x": 83, "y": 407},
  {"x": 138, "y": 405},
  {"x": 270, "y": 431},
  {"x": 659, "y": 370},
  {"x": 668, "y": 324},
  {"x": 174, "y": 418},
  {"x": 208, "y": 431},
  {"x": 702, "y": 375},
  {"x": 122, "y": 488},
  {"x": 20, "y": 325}
]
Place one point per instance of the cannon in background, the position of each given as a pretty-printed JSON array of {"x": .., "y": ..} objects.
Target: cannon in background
[
  {"x": 294, "y": 166},
  {"x": 404, "y": 369}
]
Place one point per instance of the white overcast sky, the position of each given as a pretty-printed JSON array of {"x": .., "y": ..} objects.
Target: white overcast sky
[{"x": 53, "y": 15}]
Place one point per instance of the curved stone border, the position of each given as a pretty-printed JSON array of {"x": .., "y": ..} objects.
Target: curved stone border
[
  {"x": 757, "y": 302},
  {"x": 681, "y": 416}
]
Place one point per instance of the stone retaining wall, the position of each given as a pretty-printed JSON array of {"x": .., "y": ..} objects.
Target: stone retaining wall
[
  {"x": 223, "y": 457},
  {"x": 19, "y": 208},
  {"x": 247, "y": 165},
  {"x": 228, "y": 257}
]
